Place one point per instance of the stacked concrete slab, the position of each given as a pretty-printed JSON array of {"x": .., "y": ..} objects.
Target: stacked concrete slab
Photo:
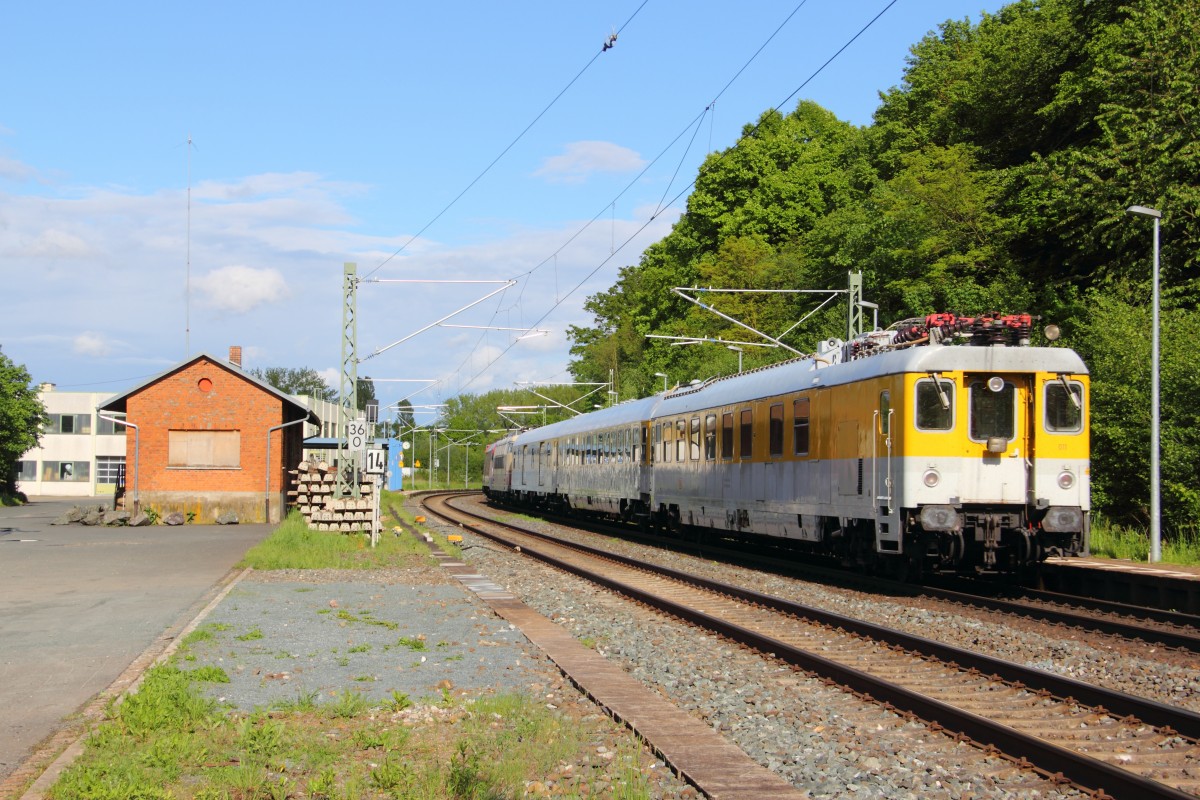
[{"x": 314, "y": 497}]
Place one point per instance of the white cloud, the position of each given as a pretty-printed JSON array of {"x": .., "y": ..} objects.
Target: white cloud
[
  {"x": 90, "y": 343},
  {"x": 14, "y": 170},
  {"x": 332, "y": 377},
  {"x": 53, "y": 243},
  {"x": 582, "y": 159},
  {"x": 241, "y": 289}
]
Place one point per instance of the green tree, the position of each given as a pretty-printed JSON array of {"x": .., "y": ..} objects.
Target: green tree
[
  {"x": 1113, "y": 336},
  {"x": 365, "y": 393},
  {"x": 22, "y": 416},
  {"x": 301, "y": 380}
]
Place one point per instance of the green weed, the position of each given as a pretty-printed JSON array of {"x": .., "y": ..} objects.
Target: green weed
[
  {"x": 347, "y": 705},
  {"x": 250, "y": 636}
]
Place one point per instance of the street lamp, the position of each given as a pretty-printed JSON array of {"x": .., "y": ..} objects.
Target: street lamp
[
  {"x": 737, "y": 350},
  {"x": 1155, "y": 499},
  {"x": 662, "y": 375}
]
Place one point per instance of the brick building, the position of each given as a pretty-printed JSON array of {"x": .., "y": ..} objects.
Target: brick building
[{"x": 200, "y": 445}]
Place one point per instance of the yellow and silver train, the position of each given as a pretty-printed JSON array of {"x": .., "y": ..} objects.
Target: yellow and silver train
[{"x": 944, "y": 444}]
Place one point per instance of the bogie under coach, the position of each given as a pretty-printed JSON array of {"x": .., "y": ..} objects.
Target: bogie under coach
[{"x": 944, "y": 444}]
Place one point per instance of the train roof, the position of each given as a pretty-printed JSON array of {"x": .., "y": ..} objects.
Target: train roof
[
  {"x": 631, "y": 412},
  {"x": 811, "y": 372}
]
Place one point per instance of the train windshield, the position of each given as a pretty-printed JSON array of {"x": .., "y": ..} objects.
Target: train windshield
[
  {"x": 1064, "y": 412},
  {"x": 993, "y": 410}
]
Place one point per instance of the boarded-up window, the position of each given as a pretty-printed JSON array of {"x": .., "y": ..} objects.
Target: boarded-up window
[{"x": 204, "y": 449}]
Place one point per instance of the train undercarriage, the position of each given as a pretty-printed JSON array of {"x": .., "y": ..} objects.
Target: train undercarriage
[{"x": 981, "y": 541}]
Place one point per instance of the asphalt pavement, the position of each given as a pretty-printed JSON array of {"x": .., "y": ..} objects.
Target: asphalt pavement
[{"x": 78, "y": 605}]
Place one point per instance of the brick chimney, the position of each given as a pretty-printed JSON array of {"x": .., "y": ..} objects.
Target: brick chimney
[{"x": 235, "y": 355}]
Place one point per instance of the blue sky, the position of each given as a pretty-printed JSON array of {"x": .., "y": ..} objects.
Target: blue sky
[{"x": 327, "y": 134}]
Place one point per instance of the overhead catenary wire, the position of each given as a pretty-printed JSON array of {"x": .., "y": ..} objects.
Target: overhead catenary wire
[
  {"x": 744, "y": 137},
  {"x": 753, "y": 131},
  {"x": 607, "y": 45}
]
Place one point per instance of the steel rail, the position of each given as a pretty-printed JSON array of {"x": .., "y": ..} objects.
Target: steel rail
[{"x": 1050, "y": 758}]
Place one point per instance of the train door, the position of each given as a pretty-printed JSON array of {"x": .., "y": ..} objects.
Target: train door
[
  {"x": 998, "y": 428},
  {"x": 887, "y": 532}
]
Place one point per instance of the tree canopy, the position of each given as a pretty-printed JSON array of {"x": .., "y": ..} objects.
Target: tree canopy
[
  {"x": 22, "y": 416},
  {"x": 296, "y": 380},
  {"x": 995, "y": 176}
]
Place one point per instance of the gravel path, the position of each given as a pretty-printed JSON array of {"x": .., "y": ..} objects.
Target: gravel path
[
  {"x": 280, "y": 638},
  {"x": 288, "y": 634}
]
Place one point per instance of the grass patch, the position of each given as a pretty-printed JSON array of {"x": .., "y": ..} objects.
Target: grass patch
[
  {"x": 293, "y": 546},
  {"x": 250, "y": 636},
  {"x": 167, "y": 741},
  {"x": 1117, "y": 541}
]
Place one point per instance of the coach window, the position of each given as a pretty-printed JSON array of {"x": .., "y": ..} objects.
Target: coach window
[
  {"x": 727, "y": 435},
  {"x": 710, "y": 437},
  {"x": 885, "y": 412},
  {"x": 666, "y": 441},
  {"x": 935, "y": 405},
  {"x": 1064, "y": 412},
  {"x": 776, "y": 437},
  {"x": 746, "y": 432},
  {"x": 681, "y": 440},
  {"x": 800, "y": 426},
  {"x": 695, "y": 439},
  {"x": 644, "y": 433}
]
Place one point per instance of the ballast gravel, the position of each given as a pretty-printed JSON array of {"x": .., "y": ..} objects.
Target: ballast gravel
[{"x": 822, "y": 739}]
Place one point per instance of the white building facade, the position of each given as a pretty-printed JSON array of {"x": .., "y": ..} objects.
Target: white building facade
[{"x": 81, "y": 454}]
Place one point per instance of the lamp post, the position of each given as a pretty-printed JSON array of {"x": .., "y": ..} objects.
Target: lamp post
[
  {"x": 662, "y": 375},
  {"x": 1155, "y": 496},
  {"x": 737, "y": 350}
]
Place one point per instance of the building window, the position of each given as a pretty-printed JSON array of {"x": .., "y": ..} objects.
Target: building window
[
  {"x": 204, "y": 449},
  {"x": 26, "y": 470},
  {"x": 66, "y": 471},
  {"x": 110, "y": 469},
  {"x": 106, "y": 427},
  {"x": 70, "y": 423},
  {"x": 776, "y": 430},
  {"x": 800, "y": 417}
]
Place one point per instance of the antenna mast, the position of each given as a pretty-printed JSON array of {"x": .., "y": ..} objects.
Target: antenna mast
[{"x": 187, "y": 287}]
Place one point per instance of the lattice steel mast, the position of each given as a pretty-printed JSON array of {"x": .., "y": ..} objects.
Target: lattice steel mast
[{"x": 347, "y": 459}]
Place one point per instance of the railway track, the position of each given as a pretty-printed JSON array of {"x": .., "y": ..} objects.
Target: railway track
[
  {"x": 1153, "y": 626},
  {"x": 1098, "y": 739}
]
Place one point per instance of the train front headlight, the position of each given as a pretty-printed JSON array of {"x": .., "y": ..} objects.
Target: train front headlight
[
  {"x": 1063, "y": 519},
  {"x": 939, "y": 518},
  {"x": 1066, "y": 479},
  {"x": 931, "y": 478}
]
